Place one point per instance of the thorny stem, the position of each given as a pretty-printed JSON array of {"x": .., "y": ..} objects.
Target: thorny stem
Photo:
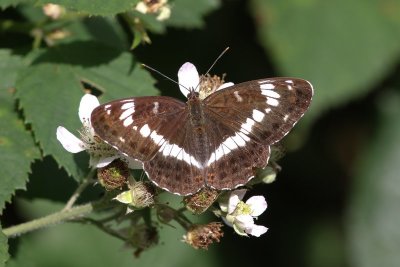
[{"x": 87, "y": 181}]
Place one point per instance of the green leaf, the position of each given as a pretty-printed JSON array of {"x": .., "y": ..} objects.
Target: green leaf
[
  {"x": 50, "y": 91},
  {"x": 9, "y": 66},
  {"x": 95, "y": 7},
  {"x": 84, "y": 245},
  {"x": 342, "y": 51},
  {"x": 190, "y": 14},
  {"x": 11, "y": 3},
  {"x": 17, "y": 148},
  {"x": 106, "y": 30},
  {"x": 374, "y": 213},
  {"x": 3, "y": 249}
]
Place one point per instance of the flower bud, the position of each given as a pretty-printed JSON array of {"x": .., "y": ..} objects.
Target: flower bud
[
  {"x": 201, "y": 236},
  {"x": 139, "y": 195}
]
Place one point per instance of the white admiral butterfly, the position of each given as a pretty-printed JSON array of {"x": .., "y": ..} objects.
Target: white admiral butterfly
[{"x": 216, "y": 142}]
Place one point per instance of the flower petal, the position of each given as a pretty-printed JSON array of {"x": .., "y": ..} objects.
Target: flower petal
[
  {"x": 88, "y": 103},
  {"x": 225, "y": 85},
  {"x": 244, "y": 221},
  {"x": 235, "y": 198},
  {"x": 70, "y": 142},
  {"x": 257, "y": 204},
  {"x": 188, "y": 78},
  {"x": 257, "y": 230},
  {"x": 227, "y": 222},
  {"x": 239, "y": 230},
  {"x": 232, "y": 203},
  {"x": 102, "y": 162}
]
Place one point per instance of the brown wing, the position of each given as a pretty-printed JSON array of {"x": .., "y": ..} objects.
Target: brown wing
[{"x": 139, "y": 126}]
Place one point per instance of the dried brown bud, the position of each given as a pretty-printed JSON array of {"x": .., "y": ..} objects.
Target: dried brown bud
[
  {"x": 201, "y": 236},
  {"x": 201, "y": 201},
  {"x": 114, "y": 175},
  {"x": 209, "y": 84},
  {"x": 143, "y": 237}
]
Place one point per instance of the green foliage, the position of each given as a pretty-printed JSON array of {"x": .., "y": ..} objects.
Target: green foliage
[
  {"x": 53, "y": 85},
  {"x": 342, "y": 51},
  {"x": 79, "y": 245},
  {"x": 188, "y": 14},
  {"x": 374, "y": 213},
  {"x": 11, "y": 3},
  {"x": 348, "y": 50},
  {"x": 4, "y": 256},
  {"x": 16, "y": 142}
]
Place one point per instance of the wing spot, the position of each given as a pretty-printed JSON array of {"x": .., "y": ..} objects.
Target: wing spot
[
  {"x": 238, "y": 97},
  {"x": 267, "y": 86},
  {"x": 145, "y": 130},
  {"x": 272, "y": 101},
  {"x": 128, "y": 105},
  {"x": 285, "y": 118},
  {"x": 270, "y": 93},
  {"x": 127, "y": 112},
  {"x": 155, "y": 108},
  {"x": 128, "y": 121},
  {"x": 258, "y": 116}
]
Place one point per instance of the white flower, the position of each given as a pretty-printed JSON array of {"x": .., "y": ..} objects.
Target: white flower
[
  {"x": 101, "y": 154},
  {"x": 53, "y": 11},
  {"x": 189, "y": 79},
  {"x": 240, "y": 215},
  {"x": 159, "y": 7}
]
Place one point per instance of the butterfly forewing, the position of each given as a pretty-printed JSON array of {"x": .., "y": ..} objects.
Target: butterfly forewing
[
  {"x": 139, "y": 126},
  {"x": 265, "y": 109}
]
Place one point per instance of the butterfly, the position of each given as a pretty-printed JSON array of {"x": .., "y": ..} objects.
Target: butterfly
[{"x": 217, "y": 141}]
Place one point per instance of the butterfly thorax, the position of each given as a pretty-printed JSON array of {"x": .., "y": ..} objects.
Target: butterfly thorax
[{"x": 198, "y": 125}]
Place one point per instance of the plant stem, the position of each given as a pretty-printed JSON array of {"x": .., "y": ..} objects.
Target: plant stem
[
  {"x": 87, "y": 181},
  {"x": 58, "y": 217}
]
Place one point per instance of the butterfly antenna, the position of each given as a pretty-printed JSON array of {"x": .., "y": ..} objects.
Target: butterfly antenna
[
  {"x": 163, "y": 75},
  {"x": 216, "y": 60}
]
